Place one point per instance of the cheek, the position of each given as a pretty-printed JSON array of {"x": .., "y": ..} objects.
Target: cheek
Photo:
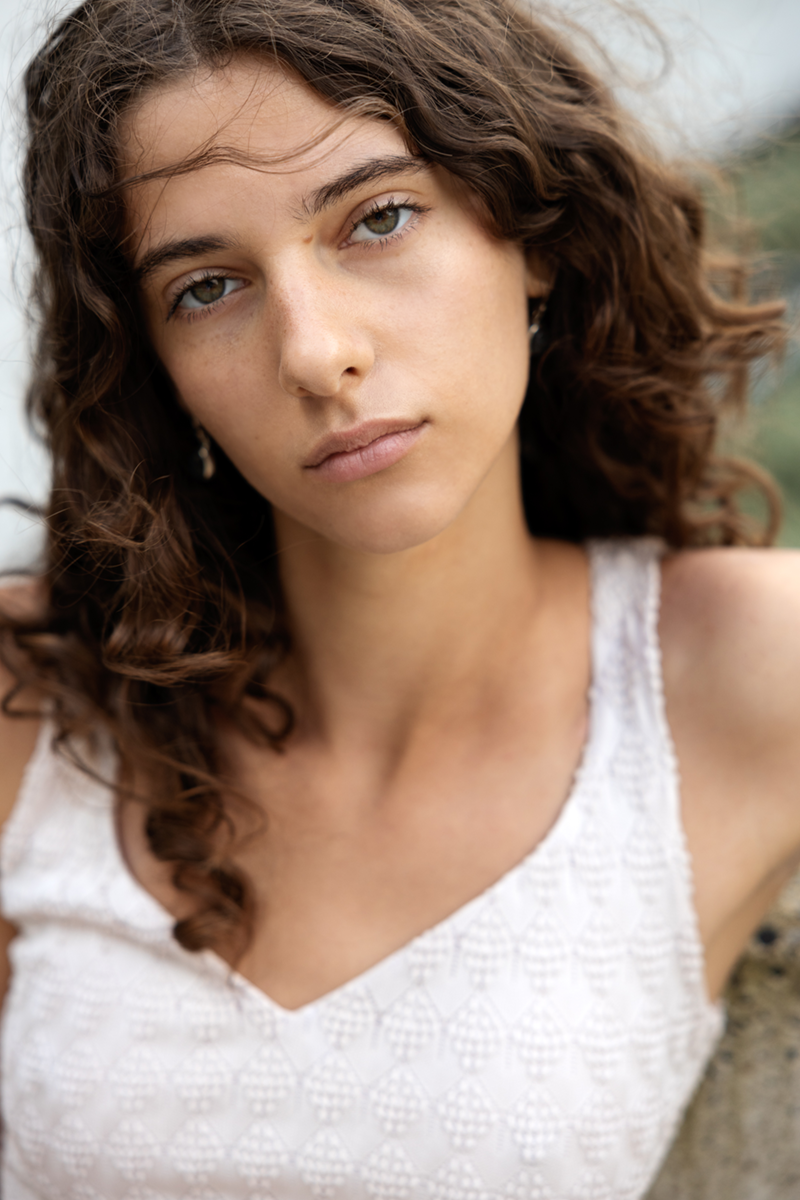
[
  {"x": 255, "y": 429},
  {"x": 222, "y": 384},
  {"x": 236, "y": 399},
  {"x": 473, "y": 338}
]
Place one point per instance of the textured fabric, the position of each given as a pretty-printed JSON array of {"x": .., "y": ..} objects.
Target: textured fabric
[{"x": 538, "y": 1044}]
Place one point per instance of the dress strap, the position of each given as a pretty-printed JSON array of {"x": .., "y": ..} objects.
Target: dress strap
[
  {"x": 628, "y": 698},
  {"x": 59, "y": 848},
  {"x": 627, "y": 685},
  {"x": 626, "y": 594}
]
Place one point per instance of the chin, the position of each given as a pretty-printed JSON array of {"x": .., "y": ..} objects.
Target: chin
[{"x": 388, "y": 528}]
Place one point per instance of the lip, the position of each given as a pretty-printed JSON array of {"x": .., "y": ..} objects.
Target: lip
[{"x": 364, "y": 450}]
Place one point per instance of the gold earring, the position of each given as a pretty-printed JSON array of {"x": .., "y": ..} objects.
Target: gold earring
[
  {"x": 537, "y": 335},
  {"x": 203, "y": 465}
]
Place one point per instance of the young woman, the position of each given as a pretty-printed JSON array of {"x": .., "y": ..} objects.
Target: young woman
[{"x": 381, "y": 370}]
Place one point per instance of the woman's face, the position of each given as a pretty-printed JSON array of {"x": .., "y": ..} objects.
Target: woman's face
[{"x": 340, "y": 322}]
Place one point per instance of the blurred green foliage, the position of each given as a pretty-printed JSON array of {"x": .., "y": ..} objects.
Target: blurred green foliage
[{"x": 763, "y": 189}]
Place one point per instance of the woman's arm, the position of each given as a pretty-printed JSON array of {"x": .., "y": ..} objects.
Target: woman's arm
[
  {"x": 730, "y": 628},
  {"x": 17, "y": 742}
]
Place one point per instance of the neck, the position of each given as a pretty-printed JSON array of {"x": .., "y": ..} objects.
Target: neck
[{"x": 383, "y": 642}]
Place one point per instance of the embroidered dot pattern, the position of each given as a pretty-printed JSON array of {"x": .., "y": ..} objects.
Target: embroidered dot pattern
[{"x": 539, "y": 1044}]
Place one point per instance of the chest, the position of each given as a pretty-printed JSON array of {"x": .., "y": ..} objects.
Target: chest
[
  {"x": 346, "y": 872},
  {"x": 541, "y": 1039}
]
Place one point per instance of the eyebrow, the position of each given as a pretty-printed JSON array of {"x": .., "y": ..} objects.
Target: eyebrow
[
  {"x": 324, "y": 197},
  {"x": 367, "y": 172},
  {"x": 173, "y": 251}
]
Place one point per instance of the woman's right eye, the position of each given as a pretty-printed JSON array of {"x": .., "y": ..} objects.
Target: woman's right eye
[{"x": 204, "y": 293}]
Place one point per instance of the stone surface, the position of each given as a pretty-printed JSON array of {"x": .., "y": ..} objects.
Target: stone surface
[{"x": 740, "y": 1139}]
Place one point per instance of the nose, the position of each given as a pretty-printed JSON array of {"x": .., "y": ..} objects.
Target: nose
[{"x": 325, "y": 348}]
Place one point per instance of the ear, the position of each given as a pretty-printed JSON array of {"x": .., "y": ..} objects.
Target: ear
[{"x": 539, "y": 276}]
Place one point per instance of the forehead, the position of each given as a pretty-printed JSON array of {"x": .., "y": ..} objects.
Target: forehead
[{"x": 252, "y": 106}]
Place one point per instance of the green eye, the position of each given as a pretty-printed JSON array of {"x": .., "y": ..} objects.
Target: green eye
[
  {"x": 383, "y": 222},
  {"x": 208, "y": 290}
]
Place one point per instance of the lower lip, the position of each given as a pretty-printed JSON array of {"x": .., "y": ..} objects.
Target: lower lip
[{"x": 368, "y": 460}]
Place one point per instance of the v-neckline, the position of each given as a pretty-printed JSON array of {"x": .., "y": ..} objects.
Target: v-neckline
[
  {"x": 143, "y": 897},
  {"x": 383, "y": 965}
]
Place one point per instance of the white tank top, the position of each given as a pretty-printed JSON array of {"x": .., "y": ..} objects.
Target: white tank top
[{"x": 538, "y": 1044}]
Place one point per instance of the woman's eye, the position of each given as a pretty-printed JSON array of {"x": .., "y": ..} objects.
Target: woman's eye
[
  {"x": 382, "y": 223},
  {"x": 208, "y": 291}
]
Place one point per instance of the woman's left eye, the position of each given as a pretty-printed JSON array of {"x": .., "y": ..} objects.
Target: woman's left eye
[{"x": 382, "y": 223}]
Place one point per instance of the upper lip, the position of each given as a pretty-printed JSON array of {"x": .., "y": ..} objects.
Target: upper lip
[{"x": 356, "y": 438}]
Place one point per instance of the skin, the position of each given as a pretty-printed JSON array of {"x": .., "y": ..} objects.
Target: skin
[{"x": 441, "y": 656}]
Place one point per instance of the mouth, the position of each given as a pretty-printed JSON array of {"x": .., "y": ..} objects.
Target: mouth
[{"x": 364, "y": 450}]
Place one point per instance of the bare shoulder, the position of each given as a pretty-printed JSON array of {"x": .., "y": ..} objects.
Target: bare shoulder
[
  {"x": 730, "y": 630},
  {"x": 730, "y": 636},
  {"x": 17, "y": 735}
]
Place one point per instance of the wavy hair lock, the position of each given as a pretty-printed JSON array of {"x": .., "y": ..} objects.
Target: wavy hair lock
[{"x": 162, "y": 602}]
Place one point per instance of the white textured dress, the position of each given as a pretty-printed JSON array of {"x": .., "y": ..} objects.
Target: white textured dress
[{"x": 538, "y": 1044}]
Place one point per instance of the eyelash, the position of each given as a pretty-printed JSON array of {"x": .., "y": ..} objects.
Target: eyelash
[
  {"x": 203, "y": 277},
  {"x": 377, "y": 210}
]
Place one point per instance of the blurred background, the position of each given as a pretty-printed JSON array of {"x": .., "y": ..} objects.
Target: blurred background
[{"x": 721, "y": 84}]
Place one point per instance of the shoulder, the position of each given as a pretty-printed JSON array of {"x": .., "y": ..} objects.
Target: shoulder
[
  {"x": 730, "y": 631},
  {"x": 730, "y": 635},
  {"x": 19, "y": 599}
]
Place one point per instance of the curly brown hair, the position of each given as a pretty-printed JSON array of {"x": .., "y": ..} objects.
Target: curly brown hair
[{"x": 163, "y": 606}]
